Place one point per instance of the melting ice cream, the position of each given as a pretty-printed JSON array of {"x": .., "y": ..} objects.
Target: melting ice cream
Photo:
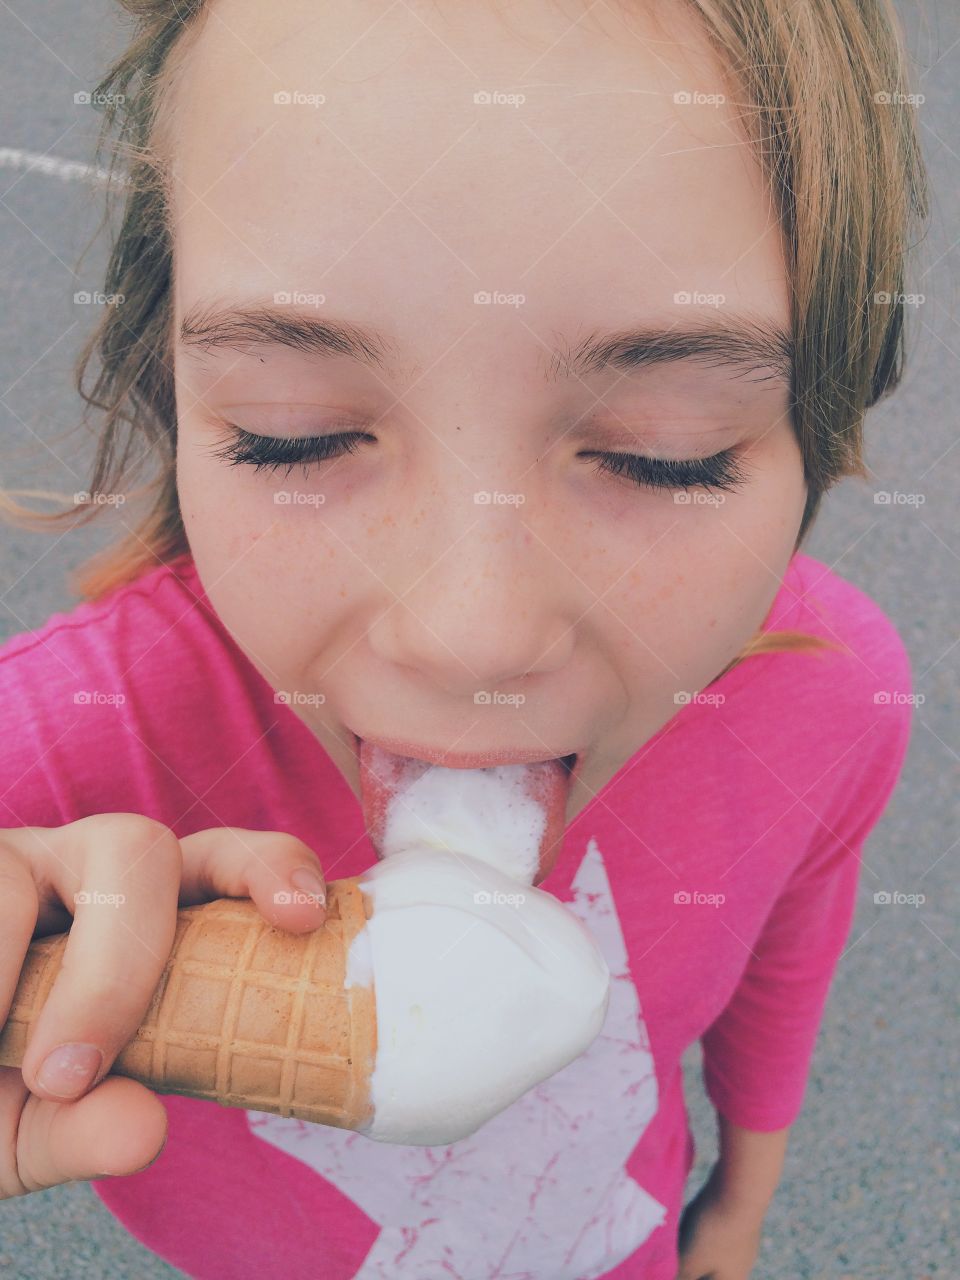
[
  {"x": 484, "y": 985},
  {"x": 511, "y": 815}
]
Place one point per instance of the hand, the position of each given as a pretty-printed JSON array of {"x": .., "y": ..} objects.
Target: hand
[
  {"x": 718, "y": 1240},
  {"x": 130, "y": 875}
]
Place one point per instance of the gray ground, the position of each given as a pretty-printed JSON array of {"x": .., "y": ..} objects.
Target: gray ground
[{"x": 866, "y": 1193}]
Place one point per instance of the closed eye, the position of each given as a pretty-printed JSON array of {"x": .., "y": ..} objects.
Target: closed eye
[
  {"x": 723, "y": 471},
  {"x": 270, "y": 453}
]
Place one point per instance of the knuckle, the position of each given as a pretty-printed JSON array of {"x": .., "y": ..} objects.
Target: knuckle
[
  {"x": 19, "y": 909},
  {"x": 8, "y": 846},
  {"x": 283, "y": 846},
  {"x": 111, "y": 990},
  {"x": 134, "y": 825},
  {"x": 131, "y": 834},
  {"x": 14, "y": 858},
  {"x": 94, "y": 1015},
  {"x": 15, "y": 877}
]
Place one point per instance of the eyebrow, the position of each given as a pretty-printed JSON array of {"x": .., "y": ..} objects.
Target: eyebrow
[{"x": 736, "y": 344}]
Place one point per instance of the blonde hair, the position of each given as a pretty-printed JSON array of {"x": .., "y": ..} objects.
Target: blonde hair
[{"x": 827, "y": 110}]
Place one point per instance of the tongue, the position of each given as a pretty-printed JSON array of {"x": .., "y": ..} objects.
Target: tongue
[{"x": 512, "y": 816}]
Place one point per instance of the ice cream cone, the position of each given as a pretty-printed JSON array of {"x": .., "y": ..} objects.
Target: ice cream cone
[{"x": 244, "y": 1014}]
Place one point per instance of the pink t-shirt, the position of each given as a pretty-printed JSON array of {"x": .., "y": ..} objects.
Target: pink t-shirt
[{"x": 765, "y": 797}]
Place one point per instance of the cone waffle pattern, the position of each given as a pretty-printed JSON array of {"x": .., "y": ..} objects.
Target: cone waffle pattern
[{"x": 244, "y": 1014}]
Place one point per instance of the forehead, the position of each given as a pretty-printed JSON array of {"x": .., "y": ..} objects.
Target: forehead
[{"x": 377, "y": 178}]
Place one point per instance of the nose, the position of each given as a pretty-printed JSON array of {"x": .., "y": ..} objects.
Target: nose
[{"x": 481, "y": 603}]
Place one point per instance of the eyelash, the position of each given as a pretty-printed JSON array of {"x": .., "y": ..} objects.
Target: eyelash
[
  {"x": 270, "y": 453},
  {"x": 722, "y": 471}
]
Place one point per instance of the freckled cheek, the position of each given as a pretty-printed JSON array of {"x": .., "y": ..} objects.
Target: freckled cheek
[
  {"x": 310, "y": 583},
  {"x": 664, "y": 600},
  {"x": 220, "y": 524},
  {"x": 232, "y": 529},
  {"x": 680, "y": 622}
]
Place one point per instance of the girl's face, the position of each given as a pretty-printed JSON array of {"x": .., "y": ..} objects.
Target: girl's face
[{"x": 451, "y": 239}]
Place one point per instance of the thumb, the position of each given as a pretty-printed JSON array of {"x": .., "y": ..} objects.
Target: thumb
[{"x": 280, "y": 873}]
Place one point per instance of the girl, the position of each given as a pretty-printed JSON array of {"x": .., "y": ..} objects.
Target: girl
[{"x": 493, "y": 368}]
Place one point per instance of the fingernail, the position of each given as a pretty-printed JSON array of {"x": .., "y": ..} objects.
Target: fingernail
[
  {"x": 308, "y": 881},
  {"x": 68, "y": 1070}
]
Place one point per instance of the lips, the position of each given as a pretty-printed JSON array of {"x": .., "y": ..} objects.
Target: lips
[{"x": 388, "y": 766}]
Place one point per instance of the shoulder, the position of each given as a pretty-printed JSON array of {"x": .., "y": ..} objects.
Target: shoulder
[
  {"x": 845, "y": 714},
  {"x": 120, "y": 625},
  {"x": 97, "y": 689},
  {"x": 828, "y": 721},
  {"x": 831, "y": 606},
  {"x": 144, "y": 635},
  {"x": 867, "y": 680}
]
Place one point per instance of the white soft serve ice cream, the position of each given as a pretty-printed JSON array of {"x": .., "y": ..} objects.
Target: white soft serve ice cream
[{"x": 484, "y": 985}]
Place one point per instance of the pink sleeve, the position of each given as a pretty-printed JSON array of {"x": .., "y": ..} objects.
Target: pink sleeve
[{"x": 757, "y": 1053}]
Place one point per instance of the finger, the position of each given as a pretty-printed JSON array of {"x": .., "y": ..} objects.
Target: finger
[
  {"x": 118, "y": 1128},
  {"x": 19, "y": 908},
  {"x": 271, "y": 867},
  {"x": 124, "y": 878}
]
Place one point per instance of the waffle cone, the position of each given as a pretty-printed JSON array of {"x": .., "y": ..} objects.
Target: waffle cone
[{"x": 244, "y": 1014}]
